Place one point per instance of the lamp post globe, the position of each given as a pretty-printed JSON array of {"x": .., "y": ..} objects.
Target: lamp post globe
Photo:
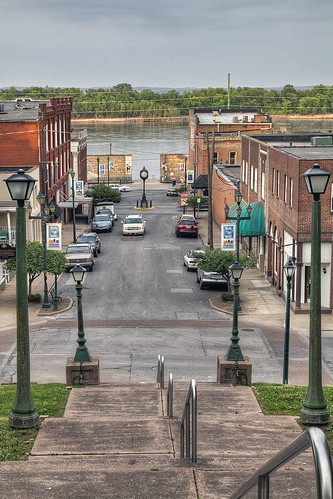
[
  {"x": 315, "y": 409},
  {"x": 23, "y": 414}
]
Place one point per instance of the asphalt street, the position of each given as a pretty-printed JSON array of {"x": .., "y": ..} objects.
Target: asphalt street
[{"x": 140, "y": 302}]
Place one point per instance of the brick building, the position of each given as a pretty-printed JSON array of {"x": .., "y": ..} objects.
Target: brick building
[
  {"x": 173, "y": 166},
  {"x": 271, "y": 174},
  {"x": 38, "y": 134},
  {"x": 227, "y": 126},
  {"x": 110, "y": 168}
]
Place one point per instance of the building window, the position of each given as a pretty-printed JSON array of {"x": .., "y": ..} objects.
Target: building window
[
  {"x": 246, "y": 166},
  {"x": 215, "y": 157},
  {"x": 273, "y": 181},
  {"x": 262, "y": 186},
  {"x": 251, "y": 178},
  {"x": 332, "y": 198},
  {"x": 291, "y": 193},
  {"x": 275, "y": 251},
  {"x": 232, "y": 157},
  {"x": 278, "y": 185},
  {"x": 255, "y": 187},
  {"x": 285, "y": 188},
  {"x": 243, "y": 172}
]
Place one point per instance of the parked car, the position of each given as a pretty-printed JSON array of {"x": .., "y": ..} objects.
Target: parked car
[
  {"x": 190, "y": 262},
  {"x": 134, "y": 224},
  {"x": 92, "y": 239},
  {"x": 210, "y": 279},
  {"x": 172, "y": 191},
  {"x": 124, "y": 188},
  {"x": 186, "y": 226},
  {"x": 101, "y": 222},
  {"x": 115, "y": 187},
  {"x": 79, "y": 254},
  {"x": 108, "y": 212}
]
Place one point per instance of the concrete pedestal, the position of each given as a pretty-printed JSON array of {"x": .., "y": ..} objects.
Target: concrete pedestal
[
  {"x": 227, "y": 371},
  {"x": 86, "y": 373}
]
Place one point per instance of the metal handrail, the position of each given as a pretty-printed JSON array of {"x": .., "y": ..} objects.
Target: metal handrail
[
  {"x": 191, "y": 397},
  {"x": 160, "y": 371},
  {"x": 170, "y": 397},
  {"x": 313, "y": 437}
]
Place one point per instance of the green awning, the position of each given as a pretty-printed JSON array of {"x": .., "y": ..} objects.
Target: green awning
[{"x": 256, "y": 225}]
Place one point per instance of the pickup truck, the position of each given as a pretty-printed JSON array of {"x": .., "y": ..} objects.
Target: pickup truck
[{"x": 79, "y": 254}]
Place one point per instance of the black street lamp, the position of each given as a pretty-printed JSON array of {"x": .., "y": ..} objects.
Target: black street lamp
[
  {"x": 315, "y": 409},
  {"x": 98, "y": 170},
  {"x": 23, "y": 413},
  {"x": 45, "y": 216},
  {"x": 82, "y": 354},
  {"x": 289, "y": 270},
  {"x": 72, "y": 174},
  {"x": 108, "y": 163},
  {"x": 144, "y": 176},
  {"x": 234, "y": 352}
]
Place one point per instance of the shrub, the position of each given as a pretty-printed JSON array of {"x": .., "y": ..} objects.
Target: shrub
[
  {"x": 227, "y": 297},
  {"x": 34, "y": 298}
]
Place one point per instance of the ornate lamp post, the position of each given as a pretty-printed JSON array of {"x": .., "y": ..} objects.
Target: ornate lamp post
[
  {"x": 98, "y": 170},
  {"x": 234, "y": 352},
  {"x": 82, "y": 354},
  {"x": 144, "y": 176},
  {"x": 238, "y": 219},
  {"x": 23, "y": 413},
  {"x": 108, "y": 162},
  {"x": 289, "y": 270},
  {"x": 315, "y": 407},
  {"x": 45, "y": 216},
  {"x": 72, "y": 174}
]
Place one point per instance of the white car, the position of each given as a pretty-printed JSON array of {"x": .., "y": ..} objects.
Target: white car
[
  {"x": 134, "y": 224},
  {"x": 124, "y": 188},
  {"x": 189, "y": 261}
]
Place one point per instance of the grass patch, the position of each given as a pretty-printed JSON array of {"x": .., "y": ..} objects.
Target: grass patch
[
  {"x": 287, "y": 400},
  {"x": 50, "y": 399}
]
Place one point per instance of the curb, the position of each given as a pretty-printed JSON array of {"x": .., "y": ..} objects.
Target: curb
[
  {"x": 55, "y": 312},
  {"x": 240, "y": 312}
]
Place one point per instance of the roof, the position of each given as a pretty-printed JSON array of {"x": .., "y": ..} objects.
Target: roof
[
  {"x": 225, "y": 117},
  {"x": 20, "y": 110},
  {"x": 201, "y": 182},
  {"x": 314, "y": 153}
]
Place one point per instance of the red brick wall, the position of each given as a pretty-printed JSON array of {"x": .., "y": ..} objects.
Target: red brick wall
[{"x": 19, "y": 144}]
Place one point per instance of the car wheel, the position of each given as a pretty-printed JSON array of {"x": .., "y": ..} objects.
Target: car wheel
[
  {"x": 99, "y": 250},
  {"x": 188, "y": 268},
  {"x": 91, "y": 268},
  {"x": 196, "y": 236},
  {"x": 177, "y": 234},
  {"x": 110, "y": 230},
  {"x": 201, "y": 285},
  {"x": 95, "y": 254},
  {"x": 198, "y": 278},
  {"x": 184, "y": 264}
]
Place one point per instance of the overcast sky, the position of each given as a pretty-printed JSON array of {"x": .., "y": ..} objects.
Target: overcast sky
[{"x": 166, "y": 43}]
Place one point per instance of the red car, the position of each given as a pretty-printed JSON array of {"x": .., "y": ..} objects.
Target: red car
[{"x": 187, "y": 226}]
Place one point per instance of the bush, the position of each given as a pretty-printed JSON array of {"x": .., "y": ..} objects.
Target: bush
[
  {"x": 34, "y": 298},
  {"x": 227, "y": 297}
]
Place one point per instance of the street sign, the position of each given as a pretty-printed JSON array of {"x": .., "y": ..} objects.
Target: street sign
[
  {"x": 184, "y": 194},
  {"x": 183, "y": 201}
]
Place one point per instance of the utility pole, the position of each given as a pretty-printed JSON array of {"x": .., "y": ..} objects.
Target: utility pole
[
  {"x": 210, "y": 162},
  {"x": 228, "y": 90}
]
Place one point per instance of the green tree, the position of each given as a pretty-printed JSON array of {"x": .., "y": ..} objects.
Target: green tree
[
  {"x": 102, "y": 192},
  {"x": 55, "y": 262}
]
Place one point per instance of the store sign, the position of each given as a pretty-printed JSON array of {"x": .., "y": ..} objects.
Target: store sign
[{"x": 53, "y": 237}]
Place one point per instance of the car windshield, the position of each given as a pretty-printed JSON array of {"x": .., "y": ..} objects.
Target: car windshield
[
  {"x": 133, "y": 221},
  {"x": 101, "y": 218},
  {"x": 187, "y": 222},
  {"x": 78, "y": 249},
  {"x": 86, "y": 239}
]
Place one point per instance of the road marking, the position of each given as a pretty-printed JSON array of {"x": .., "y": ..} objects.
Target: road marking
[
  {"x": 181, "y": 290},
  {"x": 174, "y": 271}
]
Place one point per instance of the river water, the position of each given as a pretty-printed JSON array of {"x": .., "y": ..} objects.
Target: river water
[{"x": 146, "y": 141}]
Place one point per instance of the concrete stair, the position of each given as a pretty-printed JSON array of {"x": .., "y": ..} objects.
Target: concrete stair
[{"x": 116, "y": 442}]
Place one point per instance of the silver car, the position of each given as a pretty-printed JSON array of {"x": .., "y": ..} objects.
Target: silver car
[
  {"x": 101, "y": 222},
  {"x": 190, "y": 262},
  {"x": 208, "y": 279}
]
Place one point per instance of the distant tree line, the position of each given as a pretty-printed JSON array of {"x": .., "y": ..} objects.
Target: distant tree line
[{"x": 121, "y": 101}]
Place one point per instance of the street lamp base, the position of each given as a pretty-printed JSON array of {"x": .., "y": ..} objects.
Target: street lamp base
[
  {"x": 46, "y": 305},
  {"x": 314, "y": 416},
  {"x": 22, "y": 421}
]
